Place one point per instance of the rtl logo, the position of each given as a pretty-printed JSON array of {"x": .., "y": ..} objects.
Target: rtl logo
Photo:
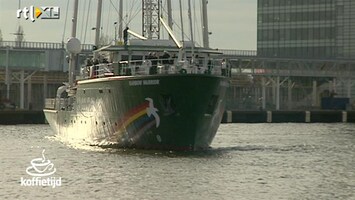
[{"x": 43, "y": 12}]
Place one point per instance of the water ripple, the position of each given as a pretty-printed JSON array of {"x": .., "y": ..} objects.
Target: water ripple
[{"x": 246, "y": 161}]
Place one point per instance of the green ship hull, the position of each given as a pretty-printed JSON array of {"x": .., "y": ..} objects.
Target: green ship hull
[{"x": 173, "y": 112}]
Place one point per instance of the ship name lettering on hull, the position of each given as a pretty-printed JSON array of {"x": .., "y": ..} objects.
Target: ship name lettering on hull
[{"x": 144, "y": 82}]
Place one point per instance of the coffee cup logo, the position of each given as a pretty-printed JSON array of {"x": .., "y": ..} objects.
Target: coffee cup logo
[{"x": 41, "y": 167}]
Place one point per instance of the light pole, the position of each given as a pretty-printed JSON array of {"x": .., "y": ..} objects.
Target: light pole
[
  {"x": 7, "y": 73},
  {"x": 93, "y": 29},
  {"x": 115, "y": 24}
]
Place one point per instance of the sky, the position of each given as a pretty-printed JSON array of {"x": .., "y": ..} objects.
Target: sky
[{"x": 232, "y": 22}]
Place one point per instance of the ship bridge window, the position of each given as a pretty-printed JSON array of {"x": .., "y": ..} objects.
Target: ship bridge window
[{"x": 101, "y": 91}]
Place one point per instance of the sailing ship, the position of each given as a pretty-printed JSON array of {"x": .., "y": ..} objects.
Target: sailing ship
[{"x": 145, "y": 93}]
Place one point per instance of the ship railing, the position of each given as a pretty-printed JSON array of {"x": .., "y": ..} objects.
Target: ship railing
[
  {"x": 172, "y": 66},
  {"x": 58, "y": 104},
  {"x": 97, "y": 71},
  {"x": 49, "y": 103},
  {"x": 63, "y": 104},
  {"x": 40, "y": 45},
  {"x": 104, "y": 70},
  {"x": 155, "y": 66}
]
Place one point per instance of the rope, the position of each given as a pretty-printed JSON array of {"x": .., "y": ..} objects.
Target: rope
[
  {"x": 82, "y": 24},
  {"x": 65, "y": 21},
  {"x": 108, "y": 20},
  {"x": 87, "y": 21}
]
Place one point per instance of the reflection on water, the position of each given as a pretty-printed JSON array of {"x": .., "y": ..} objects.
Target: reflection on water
[{"x": 246, "y": 161}]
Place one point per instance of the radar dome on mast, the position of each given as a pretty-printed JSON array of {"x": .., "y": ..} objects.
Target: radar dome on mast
[{"x": 74, "y": 45}]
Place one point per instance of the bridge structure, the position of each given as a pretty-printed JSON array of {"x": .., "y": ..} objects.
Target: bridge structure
[
  {"x": 287, "y": 83},
  {"x": 41, "y": 66}
]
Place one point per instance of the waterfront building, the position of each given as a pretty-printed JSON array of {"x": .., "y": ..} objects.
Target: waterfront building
[
  {"x": 321, "y": 29},
  {"x": 30, "y": 72}
]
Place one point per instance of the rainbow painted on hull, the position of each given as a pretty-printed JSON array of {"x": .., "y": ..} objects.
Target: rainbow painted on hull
[{"x": 139, "y": 119}]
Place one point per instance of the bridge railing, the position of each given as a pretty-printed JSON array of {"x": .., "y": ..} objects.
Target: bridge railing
[{"x": 40, "y": 45}]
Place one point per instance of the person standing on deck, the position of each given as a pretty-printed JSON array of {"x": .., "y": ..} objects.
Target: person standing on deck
[{"x": 125, "y": 36}]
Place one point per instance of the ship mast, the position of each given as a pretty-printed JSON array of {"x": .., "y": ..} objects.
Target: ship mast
[
  {"x": 98, "y": 26},
  {"x": 72, "y": 56},
  {"x": 182, "y": 23},
  {"x": 120, "y": 27},
  {"x": 170, "y": 14},
  {"x": 205, "y": 25},
  {"x": 151, "y": 21},
  {"x": 192, "y": 34}
]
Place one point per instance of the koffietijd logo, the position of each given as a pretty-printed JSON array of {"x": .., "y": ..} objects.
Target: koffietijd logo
[
  {"x": 40, "y": 170},
  {"x": 42, "y": 12}
]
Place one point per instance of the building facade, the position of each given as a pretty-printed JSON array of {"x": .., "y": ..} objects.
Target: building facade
[{"x": 321, "y": 29}]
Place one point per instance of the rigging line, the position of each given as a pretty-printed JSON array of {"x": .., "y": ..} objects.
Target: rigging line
[
  {"x": 165, "y": 15},
  {"x": 120, "y": 21},
  {"x": 181, "y": 23},
  {"x": 101, "y": 28},
  {"x": 118, "y": 13},
  {"x": 201, "y": 18},
  {"x": 87, "y": 21},
  {"x": 82, "y": 24},
  {"x": 133, "y": 5},
  {"x": 130, "y": 18},
  {"x": 65, "y": 21},
  {"x": 130, "y": 11},
  {"x": 138, "y": 10},
  {"x": 194, "y": 20},
  {"x": 161, "y": 32},
  {"x": 135, "y": 14},
  {"x": 202, "y": 23},
  {"x": 108, "y": 20},
  {"x": 125, "y": 18},
  {"x": 196, "y": 27},
  {"x": 113, "y": 5},
  {"x": 126, "y": 15}
]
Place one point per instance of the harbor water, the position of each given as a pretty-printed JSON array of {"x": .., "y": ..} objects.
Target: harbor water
[{"x": 246, "y": 161}]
